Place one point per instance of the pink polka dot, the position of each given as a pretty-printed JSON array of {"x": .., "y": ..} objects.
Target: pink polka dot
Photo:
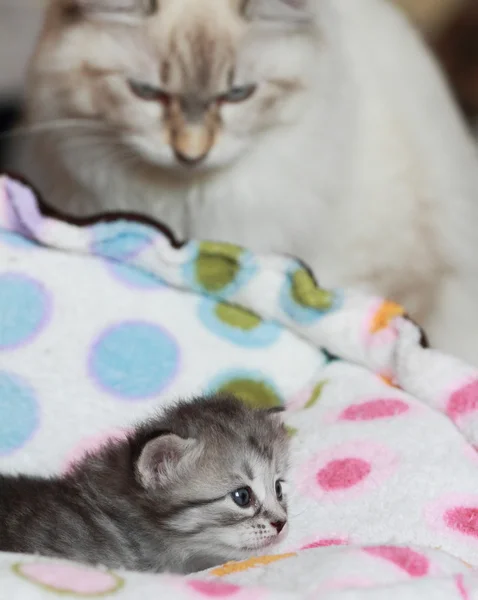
[
  {"x": 90, "y": 445},
  {"x": 461, "y": 587},
  {"x": 374, "y": 409},
  {"x": 463, "y": 401},
  {"x": 214, "y": 589},
  {"x": 346, "y": 471},
  {"x": 324, "y": 543},
  {"x": 416, "y": 565},
  {"x": 342, "y": 474},
  {"x": 454, "y": 516},
  {"x": 463, "y": 519},
  {"x": 349, "y": 583},
  {"x": 70, "y": 579}
]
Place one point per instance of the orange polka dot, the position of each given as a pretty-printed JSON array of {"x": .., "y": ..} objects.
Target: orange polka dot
[
  {"x": 385, "y": 314},
  {"x": 390, "y": 381},
  {"x": 252, "y": 563}
]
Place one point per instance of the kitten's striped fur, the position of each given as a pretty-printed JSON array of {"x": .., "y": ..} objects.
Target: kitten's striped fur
[{"x": 161, "y": 499}]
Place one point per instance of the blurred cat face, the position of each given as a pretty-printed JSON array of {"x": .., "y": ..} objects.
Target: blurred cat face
[{"x": 186, "y": 84}]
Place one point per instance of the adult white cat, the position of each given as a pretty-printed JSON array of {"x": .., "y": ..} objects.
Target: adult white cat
[{"x": 318, "y": 128}]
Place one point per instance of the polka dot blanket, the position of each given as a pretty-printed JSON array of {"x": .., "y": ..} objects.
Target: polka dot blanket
[{"x": 102, "y": 323}]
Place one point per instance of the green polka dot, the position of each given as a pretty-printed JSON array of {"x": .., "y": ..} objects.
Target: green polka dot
[
  {"x": 306, "y": 293},
  {"x": 69, "y": 579},
  {"x": 237, "y": 317},
  {"x": 317, "y": 392},
  {"x": 256, "y": 394},
  {"x": 218, "y": 249},
  {"x": 291, "y": 431},
  {"x": 217, "y": 265}
]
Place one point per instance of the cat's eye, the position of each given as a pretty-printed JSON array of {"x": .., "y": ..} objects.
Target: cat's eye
[
  {"x": 242, "y": 497},
  {"x": 279, "y": 491},
  {"x": 238, "y": 94},
  {"x": 147, "y": 92}
]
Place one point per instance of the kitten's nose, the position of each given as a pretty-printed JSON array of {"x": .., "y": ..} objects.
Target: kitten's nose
[{"x": 278, "y": 525}]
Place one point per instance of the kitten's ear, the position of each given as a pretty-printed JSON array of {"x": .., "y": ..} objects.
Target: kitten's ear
[
  {"x": 290, "y": 12},
  {"x": 165, "y": 458},
  {"x": 275, "y": 409},
  {"x": 276, "y": 415}
]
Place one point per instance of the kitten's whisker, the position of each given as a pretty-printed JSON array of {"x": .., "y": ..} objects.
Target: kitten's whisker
[
  {"x": 102, "y": 497},
  {"x": 293, "y": 515}
]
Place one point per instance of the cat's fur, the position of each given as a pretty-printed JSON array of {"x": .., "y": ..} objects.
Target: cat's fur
[
  {"x": 350, "y": 154},
  {"x": 160, "y": 500}
]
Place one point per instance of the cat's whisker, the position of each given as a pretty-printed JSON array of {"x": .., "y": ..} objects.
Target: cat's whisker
[
  {"x": 114, "y": 151},
  {"x": 100, "y": 145},
  {"x": 51, "y": 126}
]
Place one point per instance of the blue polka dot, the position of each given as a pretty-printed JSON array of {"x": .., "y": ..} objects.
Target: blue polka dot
[
  {"x": 263, "y": 335},
  {"x": 15, "y": 240},
  {"x": 24, "y": 309},
  {"x": 19, "y": 413},
  {"x": 135, "y": 360},
  {"x": 134, "y": 277},
  {"x": 121, "y": 240}
]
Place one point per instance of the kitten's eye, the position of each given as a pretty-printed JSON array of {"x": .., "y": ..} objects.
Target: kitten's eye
[
  {"x": 238, "y": 94},
  {"x": 279, "y": 491},
  {"x": 147, "y": 92},
  {"x": 242, "y": 497}
]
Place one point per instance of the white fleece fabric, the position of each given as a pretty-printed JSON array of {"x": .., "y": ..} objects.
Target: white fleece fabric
[{"x": 103, "y": 323}]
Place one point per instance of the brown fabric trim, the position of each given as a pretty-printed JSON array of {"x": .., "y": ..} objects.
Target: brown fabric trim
[
  {"x": 107, "y": 217},
  {"x": 424, "y": 343}
]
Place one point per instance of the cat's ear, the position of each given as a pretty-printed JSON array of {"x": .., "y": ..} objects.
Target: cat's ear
[
  {"x": 289, "y": 12},
  {"x": 166, "y": 458}
]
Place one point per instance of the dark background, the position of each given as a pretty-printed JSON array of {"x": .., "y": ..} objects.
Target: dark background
[{"x": 457, "y": 50}]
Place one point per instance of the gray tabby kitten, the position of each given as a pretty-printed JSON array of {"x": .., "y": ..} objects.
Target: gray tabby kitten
[{"x": 195, "y": 487}]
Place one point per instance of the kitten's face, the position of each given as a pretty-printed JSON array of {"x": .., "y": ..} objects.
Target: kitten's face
[
  {"x": 242, "y": 501},
  {"x": 190, "y": 83},
  {"x": 224, "y": 485}
]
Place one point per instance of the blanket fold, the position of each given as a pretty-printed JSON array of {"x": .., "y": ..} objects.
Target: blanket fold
[{"x": 101, "y": 324}]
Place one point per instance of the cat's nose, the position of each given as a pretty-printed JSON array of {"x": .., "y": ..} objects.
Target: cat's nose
[
  {"x": 192, "y": 142},
  {"x": 278, "y": 525},
  {"x": 189, "y": 161}
]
